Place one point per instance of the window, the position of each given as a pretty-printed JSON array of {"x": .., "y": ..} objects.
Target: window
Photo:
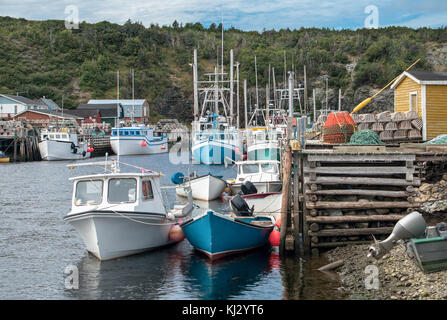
[
  {"x": 250, "y": 168},
  {"x": 125, "y": 133},
  {"x": 147, "y": 190},
  {"x": 414, "y": 101},
  {"x": 88, "y": 192},
  {"x": 122, "y": 190},
  {"x": 113, "y": 133},
  {"x": 268, "y": 168}
]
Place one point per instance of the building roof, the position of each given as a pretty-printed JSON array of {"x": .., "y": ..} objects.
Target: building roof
[
  {"x": 53, "y": 113},
  {"x": 423, "y": 77},
  {"x": 48, "y": 103},
  {"x": 124, "y": 102},
  {"x": 19, "y": 99}
]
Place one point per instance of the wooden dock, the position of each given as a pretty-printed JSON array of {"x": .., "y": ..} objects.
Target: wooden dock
[{"x": 344, "y": 195}]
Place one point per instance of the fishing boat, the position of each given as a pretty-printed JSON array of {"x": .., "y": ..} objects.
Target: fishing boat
[
  {"x": 3, "y": 157},
  {"x": 258, "y": 176},
  {"x": 137, "y": 140},
  {"x": 120, "y": 214},
  {"x": 268, "y": 203},
  {"x": 207, "y": 187},
  {"x": 214, "y": 141},
  {"x": 264, "y": 144},
  {"x": 62, "y": 144},
  {"x": 218, "y": 235}
]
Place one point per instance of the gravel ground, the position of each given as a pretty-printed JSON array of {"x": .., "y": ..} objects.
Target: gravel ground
[{"x": 399, "y": 276}]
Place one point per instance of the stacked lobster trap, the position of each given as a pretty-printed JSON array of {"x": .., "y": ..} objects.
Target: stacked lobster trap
[{"x": 391, "y": 127}]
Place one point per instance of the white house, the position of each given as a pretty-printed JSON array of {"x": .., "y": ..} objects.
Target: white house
[{"x": 11, "y": 105}]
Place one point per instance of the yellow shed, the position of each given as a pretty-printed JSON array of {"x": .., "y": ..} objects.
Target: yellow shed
[{"x": 426, "y": 93}]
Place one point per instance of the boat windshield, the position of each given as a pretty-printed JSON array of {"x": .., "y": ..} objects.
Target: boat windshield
[
  {"x": 250, "y": 168},
  {"x": 122, "y": 190},
  {"x": 88, "y": 192},
  {"x": 269, "y": 168}
]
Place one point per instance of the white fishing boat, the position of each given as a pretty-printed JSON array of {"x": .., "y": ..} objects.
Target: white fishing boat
[
  {"x": 264, "y": 144},
  {"x": 262, "y": 203},
  {"x": 207, "y": 187},
  {"x": 120, "y": 214},
  {"x": 62, "y": 145},
  {"x": 258, "y": 176},
  {"x": 137, "y": 140}
]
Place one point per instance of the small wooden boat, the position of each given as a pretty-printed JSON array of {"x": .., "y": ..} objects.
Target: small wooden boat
[
  {"x": 218, "y": 235},
  {"x": 262, "y": 203},
  {"x": 3, "y": 157},
  {"x": 207, "y": 187}
]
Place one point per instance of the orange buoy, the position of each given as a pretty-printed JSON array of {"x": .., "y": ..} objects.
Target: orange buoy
[
  {"x": 176, "y": 233},
  {"x": 163, "y": 147},
  {"x": 275, "y": 237},
  {"x": 143, "y": 143}
]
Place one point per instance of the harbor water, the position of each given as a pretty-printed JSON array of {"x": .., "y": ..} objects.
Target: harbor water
[{"x": 37, "y": 246}]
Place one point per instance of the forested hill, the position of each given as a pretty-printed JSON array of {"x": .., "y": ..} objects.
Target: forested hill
[{"x": 42, "y": 58}]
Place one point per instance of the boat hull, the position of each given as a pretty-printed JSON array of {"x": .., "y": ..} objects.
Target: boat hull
[
  {"x": 51, "y": 150},
  {"x": 264, "y": 203},
  {"x": 205, "y": 188},
  {"x": 4, "y": 160},
  {"x": 214, "y": 152},
  {"x": 138, "y": 145},
  {"x": 111, "y": 235},
  {"x": 218, "y": 235}
]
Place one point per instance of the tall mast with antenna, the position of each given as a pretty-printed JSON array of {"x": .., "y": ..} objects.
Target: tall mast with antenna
[
  {"x": 133, "y": 97},
  {"x": 256, "y": 77},
  {"x": 118, "y": 116}
]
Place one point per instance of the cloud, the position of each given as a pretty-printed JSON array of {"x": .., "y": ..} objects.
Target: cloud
[{"x": 246, "y": 15}]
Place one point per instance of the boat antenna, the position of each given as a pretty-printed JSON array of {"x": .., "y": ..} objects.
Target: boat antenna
[
  {"x": 256, "y": 77},
  {"x": 133, "y": 97}
]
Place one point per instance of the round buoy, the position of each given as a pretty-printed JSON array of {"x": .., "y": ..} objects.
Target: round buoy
[
  {"x": 176, "y": 233},
  {"x": 274, "y": 237},
  {"x": 143, "y": 143},
  {"x": 278, "y": 221},
  {"x": 163, "y": 147},
  {"x": 177, "y": 178}
]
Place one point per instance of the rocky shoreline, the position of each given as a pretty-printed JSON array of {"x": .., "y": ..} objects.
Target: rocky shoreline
[{"x": 399, "y": 276}]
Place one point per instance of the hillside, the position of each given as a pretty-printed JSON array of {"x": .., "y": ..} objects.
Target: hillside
[{"x": 42, "y": 58}]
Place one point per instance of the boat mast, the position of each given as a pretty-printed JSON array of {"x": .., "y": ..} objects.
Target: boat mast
[
  {"x": 133, "y": 98},
  {"x": 118, "y": 117}
]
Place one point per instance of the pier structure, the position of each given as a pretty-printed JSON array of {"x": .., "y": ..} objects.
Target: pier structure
[{"x": 335, "y": 195}]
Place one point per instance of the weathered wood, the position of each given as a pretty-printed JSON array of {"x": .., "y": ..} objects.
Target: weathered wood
[
  {"x": 366, "y": 171},
  {"x": 339, "y": 243},
  {"x": 364, "y": 181},
  {"x": 296, "y": 200},
  {"x": 314, "y": 226},
  {"x": 350, "y": 232},
  {"x": 313, "y": 213},
  {"x": 359, "y": 204},
  {"x": 359, "y": 149},
  {"x": 314, "y": 239},
  {"x": 360, "y": 192},
  {"x": 287, "y": 168},
  {"x": 332, "y": 266},
  {"x": 360, "y": 157},
  {"x": 344, "y": 219}
]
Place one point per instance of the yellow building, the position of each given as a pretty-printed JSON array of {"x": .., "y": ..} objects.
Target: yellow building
[{"x": 426, "y": 93}]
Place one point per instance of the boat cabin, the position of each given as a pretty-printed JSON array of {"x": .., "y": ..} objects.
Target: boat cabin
[
  {"x": 62, "y": 135},
  {"x": 258, "y": 171},
  {"x": 138, "y": 192},
  {"x": 141, "y": 131}
]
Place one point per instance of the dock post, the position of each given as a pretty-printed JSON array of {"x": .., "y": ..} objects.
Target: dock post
[
  {"x": 287, "y": 168},
  {"x": 296, "y": 200}
]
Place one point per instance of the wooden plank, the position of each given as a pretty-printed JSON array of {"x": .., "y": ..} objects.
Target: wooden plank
[
  {"x": 360, "y": 149},
  {"x": 339, "y": 244},
  {"x": 365, "y": 181},
  {"x": 344, "y": 219},
  {"x": 359, "y": 205},
  {"x": 367, "y": 171},
  {"x": 360, "y": 192},
  {"x": 350, "y": 232},
  {"x": 360, "y": 157}
]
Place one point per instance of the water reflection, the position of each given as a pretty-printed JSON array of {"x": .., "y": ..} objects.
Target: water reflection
[{"x": 225, "y": 278}]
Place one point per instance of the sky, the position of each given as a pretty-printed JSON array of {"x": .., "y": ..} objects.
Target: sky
[{"x": 242, "y": 14}]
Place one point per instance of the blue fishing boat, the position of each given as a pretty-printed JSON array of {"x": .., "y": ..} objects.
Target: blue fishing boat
[
  {"x": 219, "y": 235},
  {"x": 214, "y": 141}
]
